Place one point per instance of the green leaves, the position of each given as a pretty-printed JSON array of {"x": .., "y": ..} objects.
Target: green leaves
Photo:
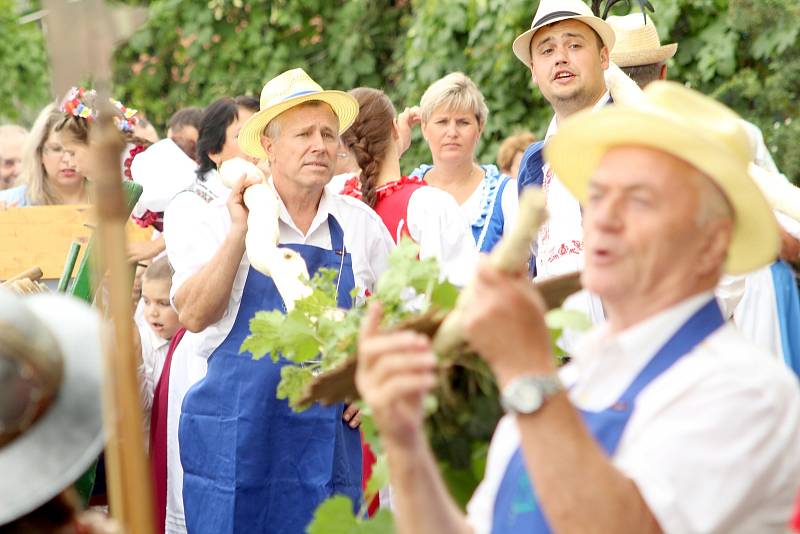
[
  {"x": 335, "y": 516},
  {"x": 24, "y": 64}
]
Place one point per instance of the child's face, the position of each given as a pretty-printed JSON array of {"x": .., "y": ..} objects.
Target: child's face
[{"x": 158, "y": 311}]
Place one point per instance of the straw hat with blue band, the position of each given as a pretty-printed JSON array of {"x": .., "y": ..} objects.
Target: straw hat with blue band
[
  {"x": 285, "y": 91},
  {"x": 552, "y": 11},
  {"x": 689, "y": 126}
]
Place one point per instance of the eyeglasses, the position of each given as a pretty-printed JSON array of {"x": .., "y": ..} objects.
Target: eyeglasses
[{"x": 58, "y": 150}]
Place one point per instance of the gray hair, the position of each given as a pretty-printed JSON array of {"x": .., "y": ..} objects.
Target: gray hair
[
  {"x": 713, "y": 204},
  {"x": 456, "y": 91}
]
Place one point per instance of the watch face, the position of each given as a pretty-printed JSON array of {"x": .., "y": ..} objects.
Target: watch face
[{"x": 527, "y": 399}]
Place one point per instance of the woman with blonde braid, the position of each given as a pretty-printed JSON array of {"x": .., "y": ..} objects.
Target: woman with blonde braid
[{"x": 407, "y": 206}]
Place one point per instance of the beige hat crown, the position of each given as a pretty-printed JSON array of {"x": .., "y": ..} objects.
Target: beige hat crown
[
  {"x": 285, "y": 91},
  {"x": 638, "y": 42},
  {"x": 552, "y": 11}
]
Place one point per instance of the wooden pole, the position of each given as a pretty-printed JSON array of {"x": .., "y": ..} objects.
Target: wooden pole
[{"x": 129, "y": 484}]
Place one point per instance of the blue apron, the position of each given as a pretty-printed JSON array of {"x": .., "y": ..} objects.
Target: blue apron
[
  {"x": 516, "y": 509},
  {"x": 250, "y": 463}
]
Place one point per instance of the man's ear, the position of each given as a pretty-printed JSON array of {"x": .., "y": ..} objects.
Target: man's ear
[
  {"x": 269, "y": 147},
  {"x": 719, "y": 233},
  {"x": 604, "y": 57},
  {"x": 533, "y": 74}
]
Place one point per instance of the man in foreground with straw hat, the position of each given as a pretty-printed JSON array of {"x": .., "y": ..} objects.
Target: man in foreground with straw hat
[
  {"x": 764, "y": 304},
  {"x": 567, "y": 51},
  {"x": 666, "y": 420},
  {"x": 250, "y": 463}
]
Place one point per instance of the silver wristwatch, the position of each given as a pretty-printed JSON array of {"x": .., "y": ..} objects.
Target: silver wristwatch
[{"x": 526, "y": 394}]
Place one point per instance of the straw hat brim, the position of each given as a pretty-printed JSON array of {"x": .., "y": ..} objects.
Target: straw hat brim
[
  {"x": 576, "y": 150},
  {"x": 636, "y": 58},
  {"x": 53, "y": 453},
  {"x": 522, "y": 44},
  {"x": 344, "y": 105}
]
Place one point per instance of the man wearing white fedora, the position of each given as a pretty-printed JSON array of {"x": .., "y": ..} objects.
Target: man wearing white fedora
[
  {"x": 764, "y": 304},
  {"x": 250, "y": 463},
  {"x": 666, "y": 419},
  {"x": 567, "y": 51}
]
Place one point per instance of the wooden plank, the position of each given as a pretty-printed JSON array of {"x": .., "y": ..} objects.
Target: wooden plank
[{"x": 42, "y": 236}]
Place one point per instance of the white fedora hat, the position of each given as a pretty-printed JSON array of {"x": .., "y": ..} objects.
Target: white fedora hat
[
  {"x": 638, "y": 42},
  {"x": 286, "y": 91},
  {"x": 50, "y": 404},
  {"x": 552, "y": 11}
]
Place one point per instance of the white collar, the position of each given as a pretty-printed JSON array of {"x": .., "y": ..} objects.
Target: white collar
[
  {"x": 324, "y": 208},
  {"x": 636, "y": 345},
  {"x": 553, "y": 128}
]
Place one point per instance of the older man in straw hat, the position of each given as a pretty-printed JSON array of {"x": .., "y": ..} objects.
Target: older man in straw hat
[
  {"x": 567, "y": 51},
  {"x": 250, "y": 463},
  {"x": 764, "y": 304},
  {"x": 666, "y": 420}
]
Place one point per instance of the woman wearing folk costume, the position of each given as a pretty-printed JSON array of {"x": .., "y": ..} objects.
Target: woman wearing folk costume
[
  {"x": 49, "y": 175},
  {"x": 407, "y": 206},
  {"x": 192, "y": 234},
  {"x": 764, "y": 304},
  {"x": 453, "y": 115},
  {"x": 250, "y": 463}
]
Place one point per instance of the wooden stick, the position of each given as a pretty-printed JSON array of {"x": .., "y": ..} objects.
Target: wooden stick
[
  {"x": 33, "y": 274},
  {"x": 510, "y": 256},
  {"x": 130, "y": 492},
  {"x": 339, "y": 384}
]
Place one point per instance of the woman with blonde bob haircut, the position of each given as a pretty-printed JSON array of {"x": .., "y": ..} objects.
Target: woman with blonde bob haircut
[
  {"x": 453, "y": 114},
  {"x": 49, "y": 174}
]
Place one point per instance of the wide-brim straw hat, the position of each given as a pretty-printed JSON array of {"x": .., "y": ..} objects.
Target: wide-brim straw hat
[
  {"x": 689, "y": 126},
  {"x": 552, "y": 11},
  {"x": 67, "y": 438},
  {"x": 286, "y": 91},
  {"x": 638, "y": 42}
]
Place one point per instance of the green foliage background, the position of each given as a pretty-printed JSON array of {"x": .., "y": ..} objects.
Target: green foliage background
[{"x": 744, "y": 52}]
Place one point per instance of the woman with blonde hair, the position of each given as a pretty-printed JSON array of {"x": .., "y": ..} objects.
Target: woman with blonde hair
[
  {"x": 408, "y": 206},
  {"x": 453, "y": 115},
  {"x": 49, "y": 174}
]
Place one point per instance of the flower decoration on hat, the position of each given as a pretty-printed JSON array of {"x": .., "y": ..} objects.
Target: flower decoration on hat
[
  {"x": 75, "y": 104},
  {"x": 129, "y": 118}
]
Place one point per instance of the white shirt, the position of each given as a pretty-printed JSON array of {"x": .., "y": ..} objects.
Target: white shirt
[
  {"x": 438, "y": 226},
  {"x": 714, "y": 442},
  {"x": 559, "y": 244},
  {"x": 194, "y": 229},
  {"x": 154, "y": 353},
  {"x": 509, "y": 203}
]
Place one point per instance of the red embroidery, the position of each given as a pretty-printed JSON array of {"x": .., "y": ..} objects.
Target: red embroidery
[
  {"x": 575, "y": 247},
  {"x": 138, "y": 149}
]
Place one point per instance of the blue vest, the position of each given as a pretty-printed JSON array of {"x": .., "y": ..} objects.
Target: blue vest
[
  {"x": 787, "y": 300},
  {"x": 531, "y": 174},
  {"x": 487, "y": 229},
  {"x": 250, "y": 463},
  {"x": 516, "y": 509}
]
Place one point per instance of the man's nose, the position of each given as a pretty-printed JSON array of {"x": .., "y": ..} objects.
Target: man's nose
[
  {"x": 317, "y": 142},
  {"x": 606, "y": 214}
]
